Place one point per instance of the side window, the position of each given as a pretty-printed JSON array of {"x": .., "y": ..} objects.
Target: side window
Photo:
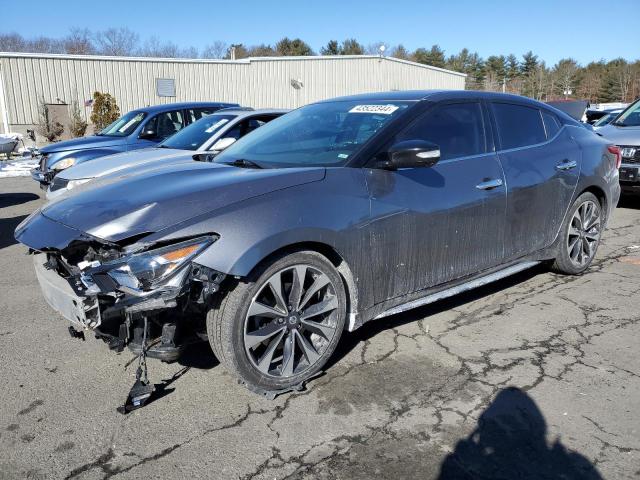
[
  {"x": 551, "y": 124},
  {"x": 166, "y": 124},
  {"x": 518, "y": 125},
  {"x": 457, "y": 128},
  {"x": 248, "y": 126},
  {"x": 195, "y": 114}
]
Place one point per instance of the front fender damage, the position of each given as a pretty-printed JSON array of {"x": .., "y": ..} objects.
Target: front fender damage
[{"x": 70, "y": 268}]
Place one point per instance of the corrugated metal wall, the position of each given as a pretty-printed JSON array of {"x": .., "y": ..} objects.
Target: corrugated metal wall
[{"x": 263, "y": 82}]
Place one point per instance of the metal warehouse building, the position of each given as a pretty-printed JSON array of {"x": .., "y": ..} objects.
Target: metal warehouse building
[{"x": 284, "y": 82}]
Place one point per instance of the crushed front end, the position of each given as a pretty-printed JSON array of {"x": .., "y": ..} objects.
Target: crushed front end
[{"x": 114, "y": 289}]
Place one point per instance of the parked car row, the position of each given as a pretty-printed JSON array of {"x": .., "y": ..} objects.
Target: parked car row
[
  {"x": 332, "y": 215},
  {"x": 206, "y": 137},
  {"x": 137, "y": 129}
]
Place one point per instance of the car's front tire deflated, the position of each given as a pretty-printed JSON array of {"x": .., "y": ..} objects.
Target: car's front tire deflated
[{"x": 279, "y": 327}]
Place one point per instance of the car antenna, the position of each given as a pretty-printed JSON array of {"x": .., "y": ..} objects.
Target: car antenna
[{"x": 142, "y": 389}]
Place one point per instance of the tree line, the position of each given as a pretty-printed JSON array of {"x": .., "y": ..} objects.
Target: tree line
[{"x": 617, "y": 80}]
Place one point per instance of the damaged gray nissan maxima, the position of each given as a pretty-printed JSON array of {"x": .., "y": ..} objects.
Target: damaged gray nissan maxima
[{"x": 338, "y": 213}]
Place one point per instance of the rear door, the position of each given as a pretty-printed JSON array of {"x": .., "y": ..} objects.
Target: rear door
[
  {"x": 433, "y": 225},
  {"x": 541, "y": 163}
]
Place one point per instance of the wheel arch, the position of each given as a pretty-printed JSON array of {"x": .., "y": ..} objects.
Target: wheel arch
[
  {"x": 331, "y": 254},
  {"x": 600, "y": 195}
]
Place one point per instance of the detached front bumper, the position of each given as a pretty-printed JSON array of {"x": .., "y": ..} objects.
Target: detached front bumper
[{"x": 82, "y": 311}]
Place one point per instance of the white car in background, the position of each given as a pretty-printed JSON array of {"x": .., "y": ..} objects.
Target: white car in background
[{"x": 209, "y": 135}]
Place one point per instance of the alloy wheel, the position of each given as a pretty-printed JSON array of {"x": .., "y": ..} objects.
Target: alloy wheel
[
  {"x": 584, "y": 233},
  {"x": 291, "y": 321}
]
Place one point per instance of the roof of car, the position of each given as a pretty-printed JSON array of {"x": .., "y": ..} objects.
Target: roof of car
[
  {"x": 440, "y": 95},
  {"x": 417, "y": 95},
  {"x": 173, "y": 106},
  {"x": 241, "y": 112}
]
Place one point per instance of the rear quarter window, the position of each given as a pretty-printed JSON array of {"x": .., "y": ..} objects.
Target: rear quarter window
[
  {"x": 518, "y": 125},
  {"x": 551, "y": 124}
]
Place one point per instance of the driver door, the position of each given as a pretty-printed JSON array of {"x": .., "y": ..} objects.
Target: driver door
[{"x": 433, "y": 225}]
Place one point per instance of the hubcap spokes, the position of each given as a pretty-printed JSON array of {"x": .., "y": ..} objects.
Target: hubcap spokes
[
  {"x": 291, "y": 321},
  {"x": 584, "y": 233}
]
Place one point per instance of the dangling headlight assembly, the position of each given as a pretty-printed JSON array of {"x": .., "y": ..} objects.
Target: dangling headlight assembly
[{"x": 145, "y": 271}]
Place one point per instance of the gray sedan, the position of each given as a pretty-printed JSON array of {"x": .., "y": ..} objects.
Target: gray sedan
[
  {"x": 336, "y": 214},
  {"x": 210, "y": 134}
]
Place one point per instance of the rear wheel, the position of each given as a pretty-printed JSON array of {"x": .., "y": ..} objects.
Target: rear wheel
[
  {"x": 280, "y": 328},
  {"x": 580, "y": 235}
]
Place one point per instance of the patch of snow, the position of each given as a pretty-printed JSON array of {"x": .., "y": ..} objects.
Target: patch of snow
[{"x": 17, "y": 168}]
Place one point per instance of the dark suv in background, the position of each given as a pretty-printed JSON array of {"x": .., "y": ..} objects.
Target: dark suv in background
[
  {"x": 335, "y": 214},
  {"x": 141, "y": 128}
]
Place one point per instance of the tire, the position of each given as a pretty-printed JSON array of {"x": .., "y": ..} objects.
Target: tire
[
  {"x": 579, "y": 236},
  {"x": 249, "y": 324}
]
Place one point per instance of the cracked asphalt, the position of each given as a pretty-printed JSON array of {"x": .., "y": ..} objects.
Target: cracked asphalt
[{"x": 536, "y": 376}]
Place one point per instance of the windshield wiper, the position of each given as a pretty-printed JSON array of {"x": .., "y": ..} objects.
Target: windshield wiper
[
  {"x": 619, "y": 124},
  {"x": 243, "y": 163}
]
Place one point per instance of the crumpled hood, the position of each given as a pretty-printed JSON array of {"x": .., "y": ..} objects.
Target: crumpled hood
[
  {"x": 116, "y": 208},
  {"x": 121, "y": 161},
  {"x": 621, "y": 135},
  {"x": 83, "y": 143}
]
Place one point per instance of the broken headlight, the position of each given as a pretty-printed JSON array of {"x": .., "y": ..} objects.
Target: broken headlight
[{"x": 144, "y": 271}]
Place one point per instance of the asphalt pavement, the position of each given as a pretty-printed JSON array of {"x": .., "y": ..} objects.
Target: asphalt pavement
[{"x": 536, "y": 376}]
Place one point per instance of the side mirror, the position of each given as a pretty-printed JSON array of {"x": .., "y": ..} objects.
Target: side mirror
[
  {"x": 223, "y": 143},
  {"x": 148, "y": 134},
  {"x": 411, "y": 154}
]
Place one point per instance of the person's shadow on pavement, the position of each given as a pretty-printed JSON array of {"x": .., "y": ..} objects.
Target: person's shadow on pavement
[{"x": 510, "y": 443}]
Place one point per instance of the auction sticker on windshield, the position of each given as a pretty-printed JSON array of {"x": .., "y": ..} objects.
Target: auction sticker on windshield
[{"x": 383, "y": 109}]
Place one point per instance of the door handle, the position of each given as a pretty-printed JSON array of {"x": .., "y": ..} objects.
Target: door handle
[
  {"x": 489, "y": 184},
  {"x": 566, "y": 165}
]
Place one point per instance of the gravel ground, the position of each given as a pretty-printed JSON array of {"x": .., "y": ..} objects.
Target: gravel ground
[{"x": 537, "y": 376}]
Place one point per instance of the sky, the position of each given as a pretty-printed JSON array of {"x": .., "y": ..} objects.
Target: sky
[{"x": 585, "y": 30}]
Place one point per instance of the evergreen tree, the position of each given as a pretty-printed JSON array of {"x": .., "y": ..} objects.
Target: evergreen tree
[
  {"x": 293, "y": 48},
  {"x": 351, "y": 47},
  {"x": 332, "y": 48},
  {"x": 433, "y": 57}
]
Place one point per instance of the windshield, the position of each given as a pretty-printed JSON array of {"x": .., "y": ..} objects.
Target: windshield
[
  {"x": 605, "y": 120},
  {"x": 124, "y": 125},
  {"x": 322, "y": 134},
  {"x": 630, "y": 117},
  {"x": 196, "y": 134}
]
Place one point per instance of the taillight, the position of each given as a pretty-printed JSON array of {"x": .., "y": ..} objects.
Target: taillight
[{"x": 617, "y": 152}]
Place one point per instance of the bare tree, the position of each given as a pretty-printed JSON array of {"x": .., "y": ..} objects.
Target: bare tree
[
  {"x": 374, "y": 48},
  {"x": 117, "y": 41},
  {"x": 217, "y": 49},
  {"x": 563, "y": 77},
  {"x": 45, "y": 45},
  {"x": 154, "y": 48},
  {"x": 47, "y": 126},
  {"x": 400, "y": 52},
  {"x": 624, "y": 74},
  {"x": 79, "y": 42},
  {"x": 12, "y": 42}
]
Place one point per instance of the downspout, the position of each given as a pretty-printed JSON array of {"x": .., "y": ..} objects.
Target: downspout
[{"x": 3, "y": 104}]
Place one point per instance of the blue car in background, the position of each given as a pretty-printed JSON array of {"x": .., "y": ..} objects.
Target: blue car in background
[{"x": 141, "y": 128}]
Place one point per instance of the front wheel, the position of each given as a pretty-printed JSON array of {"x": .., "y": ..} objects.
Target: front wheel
[
  {"x": 281, "y": 326},
  {"x": 580, "y": 235}
]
